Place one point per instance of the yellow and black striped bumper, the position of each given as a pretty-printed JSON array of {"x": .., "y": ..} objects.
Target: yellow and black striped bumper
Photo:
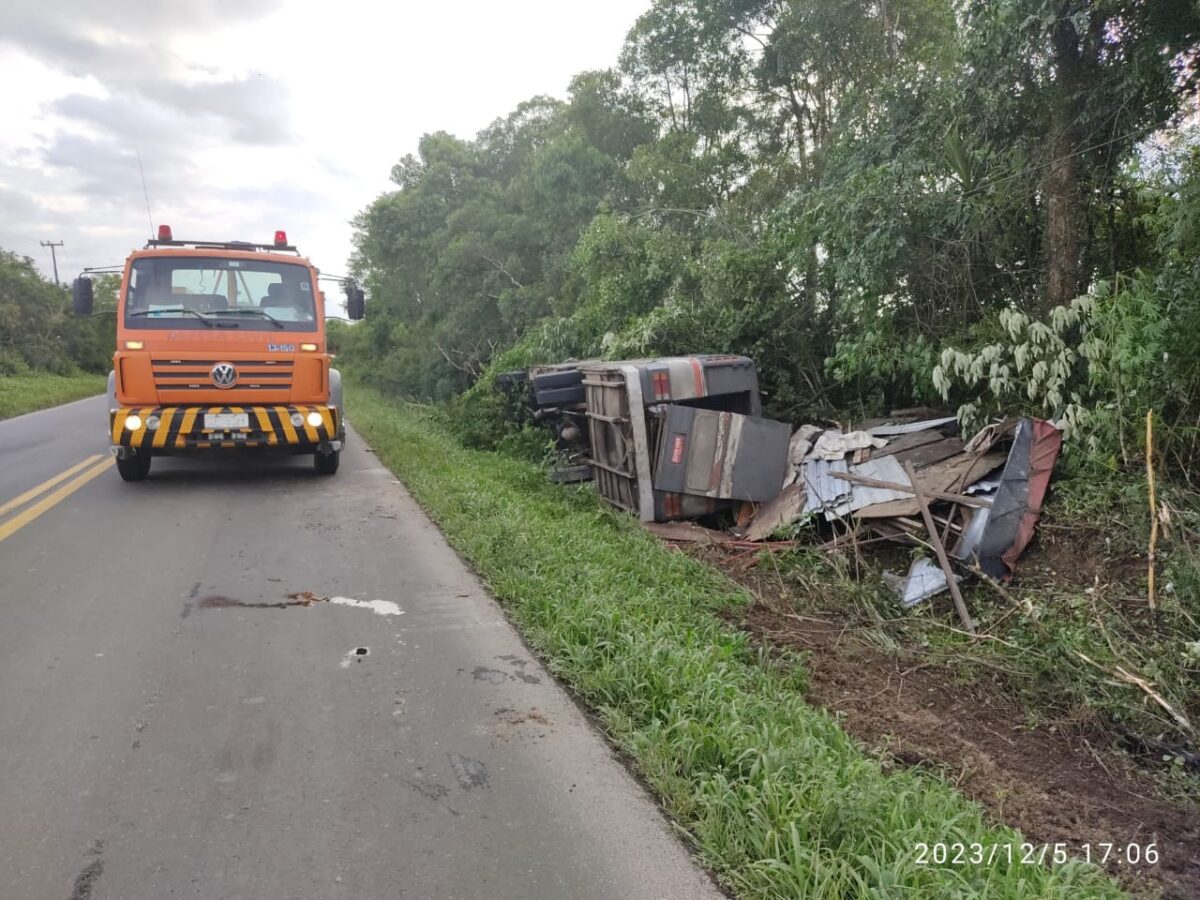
[{"x": 183, "y": 427}]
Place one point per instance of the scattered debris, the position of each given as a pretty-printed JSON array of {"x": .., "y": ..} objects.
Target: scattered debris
[
  {"x": 306, "y": 598},
  {"x": 688, "y": 532},
  {"x": 785, "y": 509},
  {"x": 684, "y": 438},
  {"x": 925, "y": 579}
]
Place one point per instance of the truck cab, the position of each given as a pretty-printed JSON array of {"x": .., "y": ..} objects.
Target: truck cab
[{"x": 221, "y": 348}]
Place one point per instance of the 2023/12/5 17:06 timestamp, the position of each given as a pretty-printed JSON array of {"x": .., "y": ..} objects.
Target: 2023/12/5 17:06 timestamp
[{"x": 1026, "y": 854}]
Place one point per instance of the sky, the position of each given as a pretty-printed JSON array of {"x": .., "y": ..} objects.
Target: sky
[{"x": 254, "y": 115}]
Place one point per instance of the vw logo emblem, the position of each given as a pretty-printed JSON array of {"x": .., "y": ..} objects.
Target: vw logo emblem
[{"x": 224, "y": 375}]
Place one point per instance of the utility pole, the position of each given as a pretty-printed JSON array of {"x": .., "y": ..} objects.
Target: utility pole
[{"x": 53, "y": 256}]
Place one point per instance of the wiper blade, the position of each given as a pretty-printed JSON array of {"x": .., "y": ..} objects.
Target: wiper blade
[
  {"x": 173, "y": 309},
  {"x": 251, "y": 311}
]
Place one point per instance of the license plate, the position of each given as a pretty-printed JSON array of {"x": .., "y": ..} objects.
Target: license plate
[{"x": 225, "y": 421}]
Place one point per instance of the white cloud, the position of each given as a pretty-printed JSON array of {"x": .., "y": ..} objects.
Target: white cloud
[{"x": 254, "y": 115}]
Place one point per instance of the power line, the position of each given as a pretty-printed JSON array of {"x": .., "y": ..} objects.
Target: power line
[
  {"x": 145, "y": 192},
  {"x": 1028, "y": 169},
  {"x": 53, "y": 257}
]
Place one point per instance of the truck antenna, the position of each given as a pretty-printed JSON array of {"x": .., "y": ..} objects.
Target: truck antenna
[{"x": 145, "y": 192}]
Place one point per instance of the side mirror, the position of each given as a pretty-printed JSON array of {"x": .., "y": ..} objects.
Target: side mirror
[
  {"x": 356, "y": 303},
  {"x": 81, "y": 296}
]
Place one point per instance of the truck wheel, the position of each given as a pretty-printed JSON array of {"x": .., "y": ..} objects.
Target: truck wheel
[
  {"x": 548, "y": 380},
  {"x": 135, "y": 467},
  {"x": 326, "y": 463},
  {"x": 561, "y": 396}
]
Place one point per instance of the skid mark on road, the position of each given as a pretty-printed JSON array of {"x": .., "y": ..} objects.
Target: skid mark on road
[{"x": 86, "y": 880}]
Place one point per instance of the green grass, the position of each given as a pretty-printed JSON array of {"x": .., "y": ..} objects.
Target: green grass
[
  {"x": 25, "y": 393},
  {"x": 775, "y": 797}
]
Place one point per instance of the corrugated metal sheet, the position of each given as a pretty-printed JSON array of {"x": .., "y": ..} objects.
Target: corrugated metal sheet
[
  {"x": 884, "y": 468},
  {"x": 823, "y": 490}
]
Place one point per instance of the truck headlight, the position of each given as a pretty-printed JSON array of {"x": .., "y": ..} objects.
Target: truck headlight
[
  {"x": 152, "y": 422},
  {"x": 314, "y": 419},
  {"x": 133, "y": 423},
  {"x": 298, "y": 420}
]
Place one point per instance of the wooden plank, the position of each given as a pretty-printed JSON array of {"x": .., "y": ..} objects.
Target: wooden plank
[
  {"x": 963, "y": 469},
  {"x": 964, "y": 499},
  {"x": 927, "y": 455},
  {"x": 940, "y": 551},
  {"x": 903, "y": 442}
]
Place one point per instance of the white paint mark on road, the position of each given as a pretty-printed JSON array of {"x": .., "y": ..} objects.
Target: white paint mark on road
[
  {"x": 381, "y": 607},
  {"x": 356, "y": 654}
]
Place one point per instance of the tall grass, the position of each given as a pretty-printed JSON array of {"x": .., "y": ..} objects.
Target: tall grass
[
  {"x": 26, "y": 393},
  {"x": 773, "y": 795}
]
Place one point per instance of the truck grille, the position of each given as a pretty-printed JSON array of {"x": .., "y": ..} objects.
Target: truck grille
[{"x": 195, "y": 374}]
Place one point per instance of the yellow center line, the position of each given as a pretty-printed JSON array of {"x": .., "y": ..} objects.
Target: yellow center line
[
  {"x": 46, "y": 485},
  {"x": 19, "y": 521}
]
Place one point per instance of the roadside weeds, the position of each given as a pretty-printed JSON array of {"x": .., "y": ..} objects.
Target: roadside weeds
[{"x": 20, "y": 394}]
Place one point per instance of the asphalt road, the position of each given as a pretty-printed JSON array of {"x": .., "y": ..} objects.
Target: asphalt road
[{"x": 172, "y": 725}]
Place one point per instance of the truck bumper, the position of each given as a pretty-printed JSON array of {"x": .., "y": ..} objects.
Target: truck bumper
[{"x": 182, "y": 428}]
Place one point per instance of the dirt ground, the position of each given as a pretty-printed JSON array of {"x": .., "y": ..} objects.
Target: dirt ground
[{"x": 1054, "y": 787}]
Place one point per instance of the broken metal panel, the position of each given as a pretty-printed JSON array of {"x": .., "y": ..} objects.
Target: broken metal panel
[
  {"x": 824, "y": 491},
  {"x": 724, "y": 455},
  {"x": 885, "y": 468},
  {"x": 986, "y": 485},
  {"x": 785, "y": 509},
  {"x": 967, "y": 548},
  {"x": 798, "y": 447},
  {"x": 910, "y": 427},
  {"x": 925, "y": 579},
  {"x": 1018, "y": 502}
]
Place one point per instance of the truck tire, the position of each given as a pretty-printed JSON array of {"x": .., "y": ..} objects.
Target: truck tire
[
  {"x": 563, "y": 396},
  {"x": 548, "y": 380},
  {"x": 134, "y": 467},
  {"x": 326, "y": 463}
]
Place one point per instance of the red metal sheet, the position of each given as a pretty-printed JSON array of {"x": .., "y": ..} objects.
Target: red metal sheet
[{"x": 1043, "y": 454}]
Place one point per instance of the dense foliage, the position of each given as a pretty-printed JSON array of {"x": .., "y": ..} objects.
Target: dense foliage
[
  {"x": 38, "y": 332},
  {"x": 846, "y": 190}
]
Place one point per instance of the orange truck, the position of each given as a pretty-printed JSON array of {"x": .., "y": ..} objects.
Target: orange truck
[{"x": 221, "y": 348}]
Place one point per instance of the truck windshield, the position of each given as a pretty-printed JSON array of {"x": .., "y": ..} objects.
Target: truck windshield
[{"x": 190, "y": 292}]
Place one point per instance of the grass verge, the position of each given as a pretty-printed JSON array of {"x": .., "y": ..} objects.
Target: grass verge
[
  {"x": 772, "y": 793},
  {"x": 25, "y": 393}
]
